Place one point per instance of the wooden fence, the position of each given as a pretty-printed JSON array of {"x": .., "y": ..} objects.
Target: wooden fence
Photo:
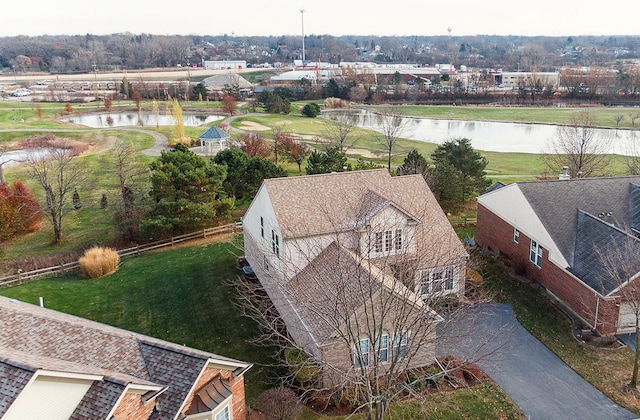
[{"x": 22, "y": 277}]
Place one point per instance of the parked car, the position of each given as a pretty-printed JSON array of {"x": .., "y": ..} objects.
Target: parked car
[{"x": 22, "y": 92}]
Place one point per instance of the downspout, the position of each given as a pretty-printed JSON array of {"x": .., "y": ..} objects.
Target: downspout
[{"x": 595, "y": 321}]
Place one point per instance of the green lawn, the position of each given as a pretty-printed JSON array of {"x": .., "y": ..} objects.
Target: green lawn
[
  {"x": 176, "y": 295},
  {"x": 179, "y": 295}
]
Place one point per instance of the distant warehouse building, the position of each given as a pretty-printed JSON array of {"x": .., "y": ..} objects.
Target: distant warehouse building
[
  {"x": 512, "y": 79},
  {"x": 224, "y": 65}
]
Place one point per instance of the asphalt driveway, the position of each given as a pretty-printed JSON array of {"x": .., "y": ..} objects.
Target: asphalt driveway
[{"x": 542, "y": 385}]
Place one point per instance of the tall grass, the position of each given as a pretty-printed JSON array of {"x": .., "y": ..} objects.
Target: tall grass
[{"x": 99, "y": 261}]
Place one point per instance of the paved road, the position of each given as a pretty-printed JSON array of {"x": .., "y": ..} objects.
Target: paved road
[{"x": 542, "y": 385}]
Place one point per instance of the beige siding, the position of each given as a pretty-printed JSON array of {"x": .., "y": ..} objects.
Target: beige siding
[{"x": 48, "y": 398}]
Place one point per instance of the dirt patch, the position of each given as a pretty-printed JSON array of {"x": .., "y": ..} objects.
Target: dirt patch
[
  {"x": 253, "y": 126},
  {"x": 364, "y": 153}
]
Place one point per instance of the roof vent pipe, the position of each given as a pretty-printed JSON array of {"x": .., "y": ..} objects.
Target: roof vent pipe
[{"x": 565, "y": 174}]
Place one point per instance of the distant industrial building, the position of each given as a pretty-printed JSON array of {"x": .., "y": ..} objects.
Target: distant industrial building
[{"x": 224, "y": 65}]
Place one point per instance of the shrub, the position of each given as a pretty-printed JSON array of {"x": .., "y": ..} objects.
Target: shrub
[
  {"x": 331, "y": 103},
  {"x": 311, "y": 110},
  {"x": 99, "y": 261},
  {"x": 279, "y": 404},
  {"x": 303, "y": 368},
  {"x": 473, "y": 276}
]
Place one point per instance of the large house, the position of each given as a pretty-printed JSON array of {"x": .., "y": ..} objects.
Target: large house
[
  {"x": 352, "y": 261},
  {"x": 562, "y": 232},
  {"x": 58, "y": 366}
]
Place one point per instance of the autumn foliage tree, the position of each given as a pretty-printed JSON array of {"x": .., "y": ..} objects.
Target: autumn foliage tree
[
  {"x": 295, "y": 151},
  {"x": 229, "y": 104},
  {"x": 255, "y": 145},
  {"x": 20, "y": 211}
]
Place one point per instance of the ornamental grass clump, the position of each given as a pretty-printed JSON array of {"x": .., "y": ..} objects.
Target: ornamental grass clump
[{"x": 99, "y": 261}]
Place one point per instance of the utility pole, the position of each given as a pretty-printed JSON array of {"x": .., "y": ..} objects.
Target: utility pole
[{"x": 302, "y": 17}]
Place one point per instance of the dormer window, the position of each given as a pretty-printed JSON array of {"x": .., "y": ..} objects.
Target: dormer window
[{"x": 389, "y": 240}]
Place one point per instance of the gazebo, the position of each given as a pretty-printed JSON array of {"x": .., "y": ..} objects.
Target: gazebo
[{"x": 214, "y": 139}]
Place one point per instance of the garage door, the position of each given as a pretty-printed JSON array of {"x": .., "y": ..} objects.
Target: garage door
[{"x": 626, "y": 319}]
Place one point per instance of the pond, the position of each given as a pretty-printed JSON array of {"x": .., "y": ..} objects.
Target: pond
[
  {"x": 484, "y": 135},
  {"x": 14, "y": 157},
  {"x": 132, "y": 119}
]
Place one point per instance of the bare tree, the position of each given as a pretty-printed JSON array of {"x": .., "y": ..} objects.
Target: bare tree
[
  {"x": 618, "y": 118},
  {"x": 620, "y": 260},
  {"x": 131, "y": 178},
  {"x": 631, "y": 153},
  {"x": 359, "y": 320},
  {"x": 340, "y": 130},
  {"x": 578, "y": 146},
  {"x": 3, "y": 161},
  {"x": 392, "y": 127},
  {"x": 59, "y": 173}
]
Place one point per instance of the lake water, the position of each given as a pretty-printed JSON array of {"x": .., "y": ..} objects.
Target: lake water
[
  {"x": 129, "y": 119},
  {"x": 15, "y": 157},
  {"x": 484, "y": 135}
]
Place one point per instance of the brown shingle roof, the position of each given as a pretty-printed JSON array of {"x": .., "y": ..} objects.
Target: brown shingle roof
[
  {"x": 336, "y": 283},
  {"x": 337, "y": 202},
  {"x": 39, "y": 337}
]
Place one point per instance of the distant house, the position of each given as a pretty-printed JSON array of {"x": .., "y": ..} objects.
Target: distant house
[
  {"x": 327, "y": 247},
  {"x": 59, "y": 366},
  {"x": 557, "y": 231},
  {"x": 214, "y": 140}
]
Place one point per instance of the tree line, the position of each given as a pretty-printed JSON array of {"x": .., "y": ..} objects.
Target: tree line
[{"x": 88, "y": 53}]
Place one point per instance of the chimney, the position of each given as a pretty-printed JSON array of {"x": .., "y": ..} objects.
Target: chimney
[{"x": 565, "y": 174}]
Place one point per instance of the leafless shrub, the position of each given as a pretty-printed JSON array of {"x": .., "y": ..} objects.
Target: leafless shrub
[{"x": 279, "y": 404}]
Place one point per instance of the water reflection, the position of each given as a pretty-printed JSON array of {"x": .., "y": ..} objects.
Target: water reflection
[
  {"x": 14, "y": 157},
  {"x": 128, "y": 119},
  {"x": 484, "y": 135}
]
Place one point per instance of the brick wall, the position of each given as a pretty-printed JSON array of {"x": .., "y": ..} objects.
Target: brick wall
[
  {"x": 495, "y": 234},
  {"x": 132, "y": 407},
  {"x": 238, "y": 403}
]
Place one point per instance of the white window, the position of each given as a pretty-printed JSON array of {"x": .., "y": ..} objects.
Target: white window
[
  {"x": 261, "y": 226},
  {"x": 378, "y": 244},
  {"x": 275, "y": 243},
  {"x": 535, "y": 255},
  {"x": 383, "y": 348},
  {"x": 516, "y": 235},
  {"x": 266, "y": 264},
  {"x": 388, "y": 240},
  {"x": 436, "y": 280},
  {"x": 398, "y": 240},
  {"x": 400, "y": 344},
  {"x": 224, "y": 414},
  {"x": 361, "y": 354}
]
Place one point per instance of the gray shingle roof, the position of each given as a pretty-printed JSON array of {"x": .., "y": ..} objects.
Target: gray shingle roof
[
  {"x": 42, "y": 338},
  {"x": 557, "y": 203},
  {"x": 13, "y": 379},
  {"x": 98, "y": 401}
]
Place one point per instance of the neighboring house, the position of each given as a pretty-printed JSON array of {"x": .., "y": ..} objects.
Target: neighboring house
[
  {"x": 557, "y": 231},
  {"x": 325, "y": 247},
  {"x": 59, "y": 366},
  {"x": 214, "y": 140}
]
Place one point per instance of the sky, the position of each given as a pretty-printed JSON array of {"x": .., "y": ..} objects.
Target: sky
[{"x": 330, "y": 17}]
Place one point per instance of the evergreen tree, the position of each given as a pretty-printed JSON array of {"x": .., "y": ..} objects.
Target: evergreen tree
[{"x": 186, "y": 192}]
